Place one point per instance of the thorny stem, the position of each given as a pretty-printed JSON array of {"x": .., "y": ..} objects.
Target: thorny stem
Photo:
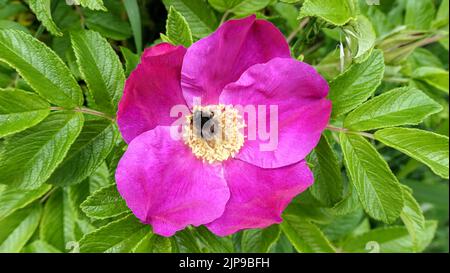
[
  {"x": 297, "y": 30},
  {"x": 85, "y": 111},
  {"x": 347, "y": 131}
]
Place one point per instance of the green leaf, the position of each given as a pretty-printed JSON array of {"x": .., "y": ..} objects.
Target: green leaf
[
  {"x": 131, "y": 60},
  {"x": 343, "y": 225},
  {"x": 108, "y": 24},
  {"x": 224, "y": 5},
  {"x": 429, "y": 148},
  {"x": 186, "y": 241},
  {"x": 213, "y": 243},
  {"x": 328, "y": 185},
  {"x": 96, "y": 140},
  {"x": 378, "y": 189},
  {"x": 42, "y": 9},
  {"x": 412, "y": 217},
  {"x": 92, "y": 4},
  {"x": 27, "y": 159},
  {"x": 357, "y": 84},
  {"x": 59, "y": 220},
  {"x": 41, "y": 68},
  {"x": 177, "y": 29},
  {"x": 239, "y": 7},
  {"x": 134, "y": 16},
  {"x": 393, "y": 239},
  {"x": 20, "y": 110},
  {"x": 433, "y": 76},
  {"x": 260, "y": 240},
  {"x": 100, "y": 67},
  {"x": 400, "y": 106},
  {"x": 105, "y": 203},
  {"x": 362, "y": 33},
  {"x": 17, "y": 229},
  {"x": 200, "y": 17},
  {"x": 304, "y": 235},
  {"x": 442, "y": 15},
  {"x": 153, "y": 243},
  {"x": 12, "y": 199},
  {"x": 336, "y": 12},
  {"x": 123, "y": 235},
  {"x": 6, "y": 24},
  {"x": 40, "y": 246},
  {"x": 419, "y": 14},
  {"x": 99, "y": 179}
]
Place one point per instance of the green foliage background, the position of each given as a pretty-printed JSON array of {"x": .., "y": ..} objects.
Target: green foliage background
[{"x": 381, "y": 168}]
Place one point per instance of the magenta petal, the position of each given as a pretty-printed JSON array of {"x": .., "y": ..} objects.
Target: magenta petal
[
  {"x": 221, "y": 58},
  {"x": 165, "y": 186},
  {"x": 259, "y": 196},
  {"x": 151, "y": 91},
  {"x": 298, "y": 92}
]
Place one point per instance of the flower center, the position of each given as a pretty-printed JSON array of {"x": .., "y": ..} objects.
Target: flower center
[{"x": 214, "y": 132}]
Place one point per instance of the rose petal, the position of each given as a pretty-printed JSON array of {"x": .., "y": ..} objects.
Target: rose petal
[
  {"x": 259, "y": 196},
  {"x": 221, "y": 58},
  {"x": 165, "y": 186},
  {"x": 152, "y": 89},
  {"x": 298, "y": 92}
]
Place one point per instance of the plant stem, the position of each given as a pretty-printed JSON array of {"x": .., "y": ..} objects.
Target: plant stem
[
  {"x": 347, "y": 131},
  {"x": 297, "y": 30},
  {"x": 85, "y": 111},
  {"x": 224, "y": 17}
]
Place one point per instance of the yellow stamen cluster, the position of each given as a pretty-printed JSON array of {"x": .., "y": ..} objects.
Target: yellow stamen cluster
[{"x": 220, "y": 138}]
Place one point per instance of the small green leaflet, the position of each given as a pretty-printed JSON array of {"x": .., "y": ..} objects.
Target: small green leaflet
[
  {"x": 400, "y": 106},
  {"x": 378, "y": 189},
  {"x": 105, "y": 203},
  {"x": 429, "y": 148},
  {"x": 27, "y": 159},
  {"x": 362, "y": 36},
  {"x": 357, "y": 84},
  {"x": 41, "y": 68},
  {"x": 92, "y": 146},
  {"x": 20, "y": 110},
  {"x": 17, "y": 228},
  {"x": 200, "y": 17},
  {"x": 177, "y": 29},
  {"x": 131, "y": 60},
  {"x": 100, "y": 67},
  {"x": 336, "y": 12},
  {"x": 42, "y": 9}
]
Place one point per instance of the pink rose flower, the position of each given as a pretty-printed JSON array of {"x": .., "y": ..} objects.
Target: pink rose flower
[{"x": 226, "y": 184}]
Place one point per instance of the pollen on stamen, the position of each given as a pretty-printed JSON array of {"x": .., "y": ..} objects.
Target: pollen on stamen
[{"x": 214, "y": 132}]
